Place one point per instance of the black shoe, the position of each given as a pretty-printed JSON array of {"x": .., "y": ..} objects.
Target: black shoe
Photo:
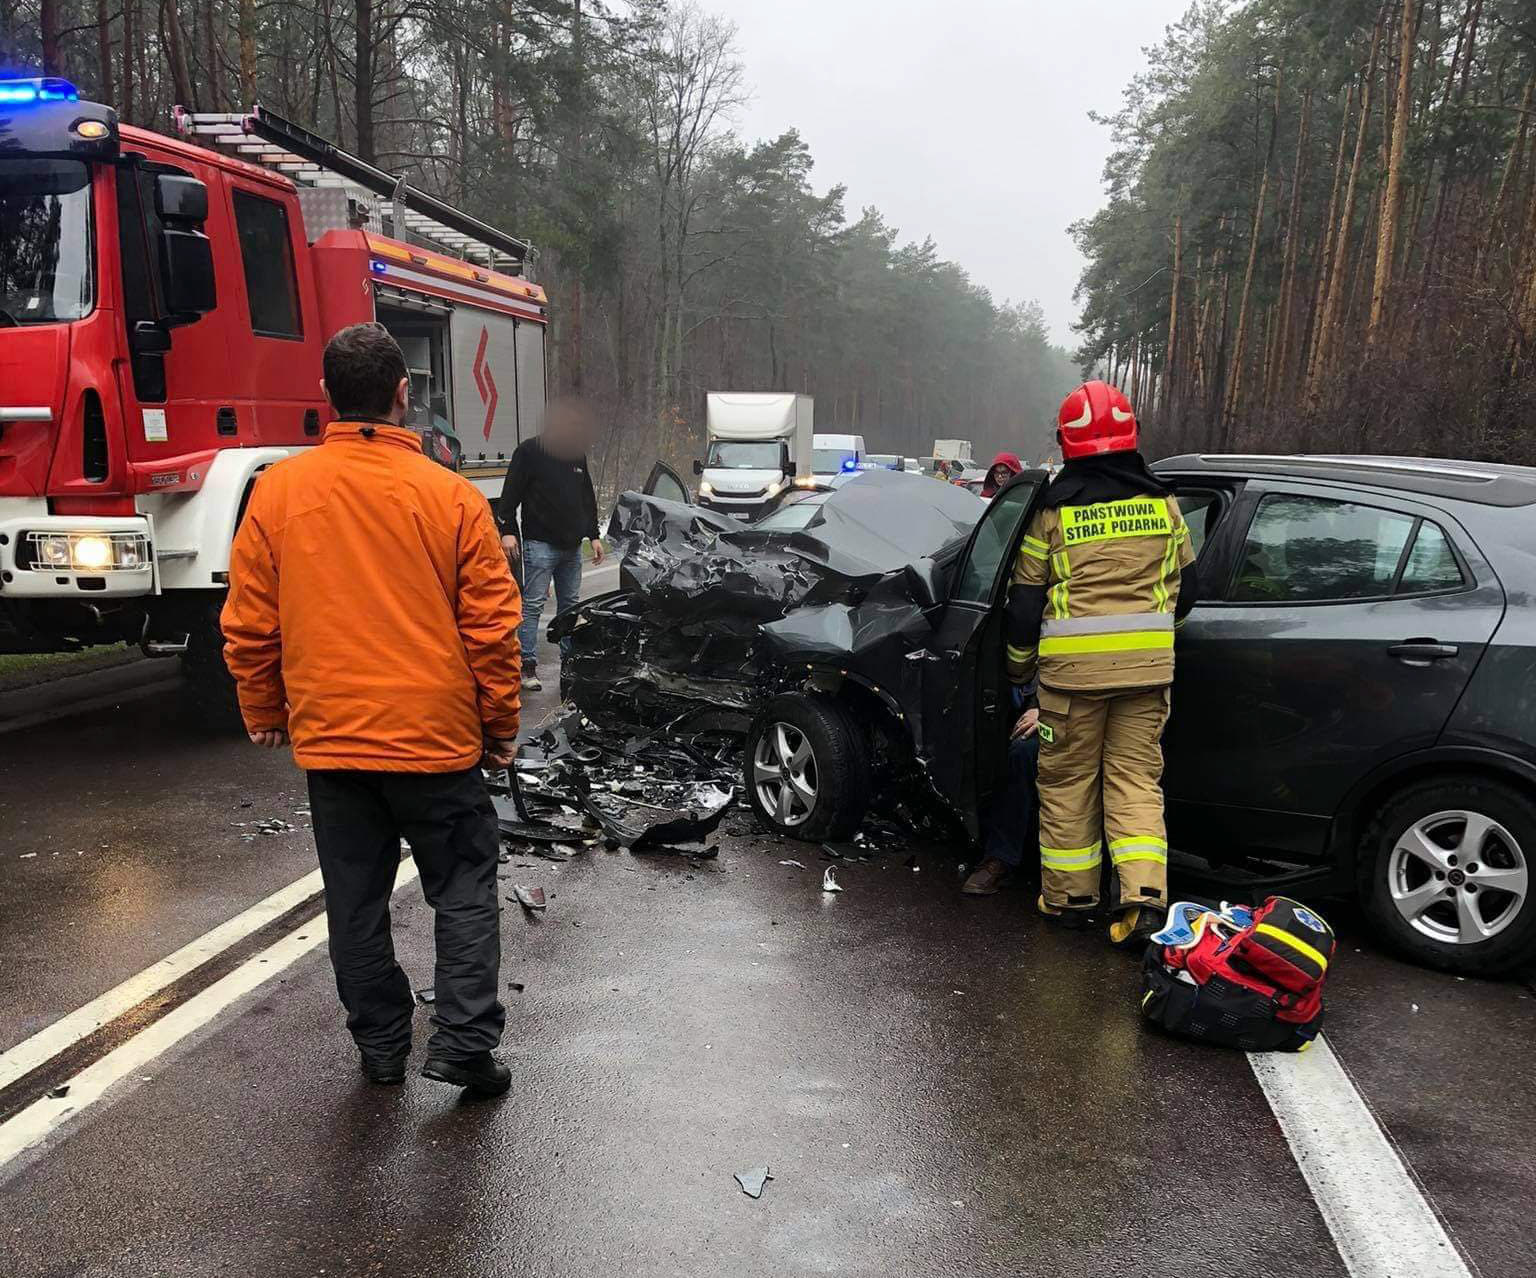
[
  {"x": 388, "y": 1071},
  {"x": 482, "y": 1074},
  {"x": 1134, "y": 926}
]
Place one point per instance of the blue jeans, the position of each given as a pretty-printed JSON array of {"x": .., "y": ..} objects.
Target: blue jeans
[
  {"x": 543, "y": 563},
  {"x": 1010, "y": 819}
]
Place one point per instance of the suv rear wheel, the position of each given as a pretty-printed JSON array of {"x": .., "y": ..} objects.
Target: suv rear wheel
[
  {"x": 1448, "y": 868},
  {"x": 807, "y": 769}
]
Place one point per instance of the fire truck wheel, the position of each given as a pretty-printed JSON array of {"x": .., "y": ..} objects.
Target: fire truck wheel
[{"x": 211, "y": 686}]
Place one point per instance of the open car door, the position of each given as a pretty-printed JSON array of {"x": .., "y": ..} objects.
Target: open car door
[
  {"x": 968, "y": 708},
  {"x": 666, "y": 483}
]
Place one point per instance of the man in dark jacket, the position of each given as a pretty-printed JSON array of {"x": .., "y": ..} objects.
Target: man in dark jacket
[{"x": 548, "y": 479}]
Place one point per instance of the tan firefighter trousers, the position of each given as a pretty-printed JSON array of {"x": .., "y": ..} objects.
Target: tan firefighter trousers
[{"x": 1101, "y": 765}]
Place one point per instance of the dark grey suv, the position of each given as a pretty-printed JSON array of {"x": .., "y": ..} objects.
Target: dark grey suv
[
  {"x": 1354, "y": 694},
  {"x": 1352, "y": 710}
]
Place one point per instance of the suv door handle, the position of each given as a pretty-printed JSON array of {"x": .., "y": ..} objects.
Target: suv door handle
[{"x": 1420, "y": 652}]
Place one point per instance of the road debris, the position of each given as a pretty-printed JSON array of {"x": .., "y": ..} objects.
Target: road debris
[
  {"x": 426, "y": 996},
  {"x": 530, "y": 898},
  {"x": 799, "y": 865},
  {"x": 752, "y": 1181},
  {"x": 59, "y": 1092},
  {"x": 829, "y": 882}
]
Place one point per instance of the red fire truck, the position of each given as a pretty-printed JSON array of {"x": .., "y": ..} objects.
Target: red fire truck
[{"x": 163, "y": 307}]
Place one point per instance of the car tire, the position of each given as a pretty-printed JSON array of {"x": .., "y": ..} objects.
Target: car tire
[
  {"x": 1433, "y": 896},
  {"x": 826, "y": 749}
]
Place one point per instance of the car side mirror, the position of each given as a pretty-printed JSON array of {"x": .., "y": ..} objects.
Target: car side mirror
[
  {"x": 922, "y": 583},
  {"x": 186, "y": 264},
  {"x": 698, "y": 466},
  {"x": 149, "y": 338}
]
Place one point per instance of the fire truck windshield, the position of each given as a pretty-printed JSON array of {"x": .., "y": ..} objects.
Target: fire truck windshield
[{"x": 47, "y": 272}]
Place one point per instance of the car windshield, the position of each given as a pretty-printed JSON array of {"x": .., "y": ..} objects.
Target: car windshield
[
  {"x": 745, "y": 455},
  {"x": 46, "y": 268},
  {"x": 827, "y": 461},
  {"x": 792, "y": 516}
]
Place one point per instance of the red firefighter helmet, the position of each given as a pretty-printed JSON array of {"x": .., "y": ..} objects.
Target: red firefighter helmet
[{"x": 1095, "y": 418}]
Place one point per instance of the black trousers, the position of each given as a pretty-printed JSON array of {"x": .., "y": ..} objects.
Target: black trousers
[{"x": 447, "y": 818}]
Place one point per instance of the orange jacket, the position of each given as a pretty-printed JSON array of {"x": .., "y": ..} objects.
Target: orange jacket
[{"x": 371, "y": 611}]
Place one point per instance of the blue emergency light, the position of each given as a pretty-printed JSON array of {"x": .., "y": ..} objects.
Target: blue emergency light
[
  {"x": 850, "y": 464},
  {"x": 29, "y": 92}
]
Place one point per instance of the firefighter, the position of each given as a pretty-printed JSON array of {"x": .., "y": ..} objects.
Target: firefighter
[{"x": 1104, "y": 575}]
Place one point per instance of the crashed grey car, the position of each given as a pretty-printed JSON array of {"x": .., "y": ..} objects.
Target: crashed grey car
[{"x": 827, "y": 634}]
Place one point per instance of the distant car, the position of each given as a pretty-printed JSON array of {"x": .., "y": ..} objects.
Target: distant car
[
  {"x": 1352, "y": 704},
  {"x": 881, "y": 461},
  {"x": 911, "y": 465}
]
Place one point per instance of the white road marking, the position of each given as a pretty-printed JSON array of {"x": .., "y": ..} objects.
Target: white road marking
[
  {"x": 1380, "y": 1220},
  {"x": 32, "y": 1124},
  {"x": 48, "y": 1043}
]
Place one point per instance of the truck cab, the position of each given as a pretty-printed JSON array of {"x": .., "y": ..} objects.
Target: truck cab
[{"x": 759, "y": 445}]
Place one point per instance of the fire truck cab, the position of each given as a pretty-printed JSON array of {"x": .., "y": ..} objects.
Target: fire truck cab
[{"x": 163, "y": 310}]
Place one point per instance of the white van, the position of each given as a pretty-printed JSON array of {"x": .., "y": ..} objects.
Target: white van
[{"x": 831, "y": 455}]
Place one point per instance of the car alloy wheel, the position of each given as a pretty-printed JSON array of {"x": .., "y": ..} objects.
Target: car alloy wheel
[
  {"x": 1457, "y": 877},
  {"x": 784, "y": 773}
]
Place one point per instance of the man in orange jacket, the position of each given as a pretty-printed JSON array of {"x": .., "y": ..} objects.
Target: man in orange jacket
[{"x": 372, "y": 620}]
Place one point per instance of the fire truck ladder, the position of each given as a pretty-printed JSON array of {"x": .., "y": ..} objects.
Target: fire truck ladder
[{"x": 266, "y": 138}]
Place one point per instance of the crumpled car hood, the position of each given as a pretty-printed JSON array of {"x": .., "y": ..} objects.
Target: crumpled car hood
[{"x": 711, "y": 610}]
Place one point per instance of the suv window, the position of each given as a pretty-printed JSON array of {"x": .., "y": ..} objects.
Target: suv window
[
  {"x": 1201, "y": 509},
  {"x": 266, "y": 250},
  {"x": 1313, "y": 549},
  {"x": 997, "y": 533},
  {"x": 1432, "y": 564}
]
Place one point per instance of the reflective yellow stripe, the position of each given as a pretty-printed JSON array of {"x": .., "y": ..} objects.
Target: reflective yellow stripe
[
  {"x": 1170, "y": 558},
  {"x": 1125, "y": 858},
  {"x": 1027, "y": 549},
  {"x": 1130, "y": 641},
  {"x": 1058, "y": 595},
  {"x": 1020, "y": 654},
  {"x": 1072, "y": 858},
  {"x": 1144, "y": 847},
  {"x": 1295, "y": 942}
]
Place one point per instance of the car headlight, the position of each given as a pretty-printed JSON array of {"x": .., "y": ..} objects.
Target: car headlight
[
  {"x": 93, "y": 552},
  {"x": 774, "y": 489},
  {"x": 706, "y": 489}
]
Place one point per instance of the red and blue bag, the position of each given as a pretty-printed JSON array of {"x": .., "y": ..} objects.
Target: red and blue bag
[{"x": 1239, "y": 978}]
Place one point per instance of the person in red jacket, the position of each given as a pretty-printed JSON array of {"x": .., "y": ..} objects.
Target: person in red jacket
[
  {"x": 1003, "y": 468},
  {"x": 372, "y": 622}
]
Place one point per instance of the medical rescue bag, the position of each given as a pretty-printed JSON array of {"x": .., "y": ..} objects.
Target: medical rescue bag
[{"x": 1250, "y": 979}]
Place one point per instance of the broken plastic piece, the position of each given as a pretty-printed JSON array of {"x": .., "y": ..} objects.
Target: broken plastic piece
[
  {"x": 426, "y": 996},
  {"x": 797, "y": 864},
  {"x": 752, "y": 1181},
  {"x": 59, "y": 1092},
  {"x": 530, "y": 898},
  {"x": 829, "y": 883}
]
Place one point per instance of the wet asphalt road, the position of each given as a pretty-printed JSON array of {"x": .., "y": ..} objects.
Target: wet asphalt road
[{"x": 940, "y": 1085}]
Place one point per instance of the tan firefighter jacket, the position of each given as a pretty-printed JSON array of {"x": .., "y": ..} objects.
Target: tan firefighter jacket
[{"x": 1111, "y": 577}]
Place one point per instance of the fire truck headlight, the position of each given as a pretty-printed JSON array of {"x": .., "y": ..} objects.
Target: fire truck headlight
[
  {"x": 93, "y": 552},
  {"x": 53, "y": 551}
]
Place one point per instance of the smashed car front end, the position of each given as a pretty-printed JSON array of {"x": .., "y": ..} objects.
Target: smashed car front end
[{"x": 714, "y": 620}]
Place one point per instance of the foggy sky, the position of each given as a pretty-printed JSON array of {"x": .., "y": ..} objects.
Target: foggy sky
[{"x": 966, "y": 121}]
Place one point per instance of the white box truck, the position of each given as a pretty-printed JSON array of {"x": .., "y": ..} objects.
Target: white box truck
[
  {"x": 759, "y": 444},
  {"x": 952, "y": 450}
]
